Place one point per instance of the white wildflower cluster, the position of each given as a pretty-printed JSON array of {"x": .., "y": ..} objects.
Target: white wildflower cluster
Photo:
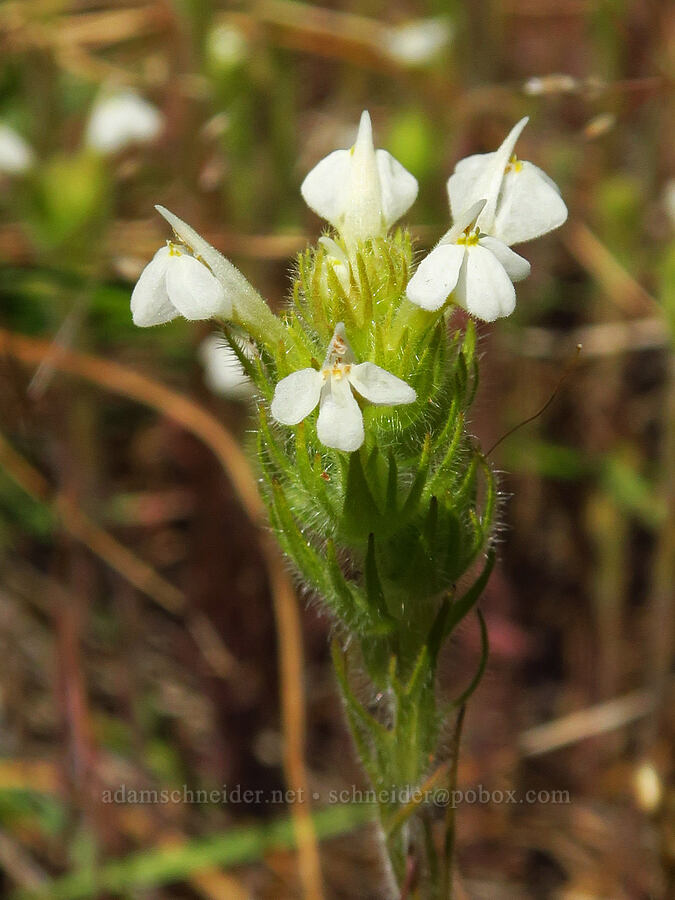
[{"x": 496, "y": 201}]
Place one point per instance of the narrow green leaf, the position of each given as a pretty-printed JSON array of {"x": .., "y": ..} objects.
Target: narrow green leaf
[
  {"x": 360, "y": 514},
  {"x": 482, "y": 664},
  {"x": 375, "y": 594},
  {"x": 417, "y": 487},
  {"x": 351, "y": 605},
  {"x": 270, "y": 448},
  {"x": 313, "y": 482},
  {"x": 462, "y": 607},
  {"x": 151, "y": 869},
  {"x": 366, "y": 292}
]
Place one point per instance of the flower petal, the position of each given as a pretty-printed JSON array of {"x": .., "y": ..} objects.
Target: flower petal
[
  {"x": 339, "y": 350},
  {"x": 379, "y": 386},
  {"x": 469, "y": 182},
  {"x": 436, "y": 276},
  {"x": 323, "y": 190},
  {"x": 481, "y": 175},
  {"x": 340, "y": 423},
  {"x": 529, "y": 205},
  {"x": 363, "y": 215},
  {"x": 498, "y": 166},
  {"x": 484, "y": 288},
  {"x": 150, "y": 304},
  {"x": 516, "y": 266},
  {"x": 398, "y": 187},
  {"x": 194, "y": 290},
  {"x": 296, "y": 396}
]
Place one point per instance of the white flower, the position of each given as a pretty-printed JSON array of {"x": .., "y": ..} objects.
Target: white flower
[
  {"x": 16, "y": 156},
  {"x": 522, "y": 202},
  {"x": 122, "y": 119},
  {"x": 174, "y": 283},
  {"x": 361, "y": 191},
  {"x": 417, "y": 43},
  {"x": 237, "y": 297},
  {"x": 340, "y": 423},
  {"x": 476, "y": 268},
  {"x": 223, "y": 371}
]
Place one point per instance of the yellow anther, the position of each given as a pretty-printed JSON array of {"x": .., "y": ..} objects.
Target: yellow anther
[
  {"x": 469, "y": 238},
  {"x": 513, "y": 165}
]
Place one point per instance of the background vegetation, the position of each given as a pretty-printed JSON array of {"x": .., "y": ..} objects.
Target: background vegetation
[{"x": 146, "y": 629}]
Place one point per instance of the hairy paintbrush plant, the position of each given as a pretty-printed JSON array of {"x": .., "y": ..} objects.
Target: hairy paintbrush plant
[{"x": 377, "y": 492}]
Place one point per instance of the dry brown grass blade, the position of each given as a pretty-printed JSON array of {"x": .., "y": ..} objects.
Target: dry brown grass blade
[
  {"x": 602, "y": 339},
  {"x": 117, "y": 378},
  {"x": 78, "y": 524},
  {"x": 105, "y": 27},
  {"x": 19, "y": 865},
  {"x": 619, "y": 285},
  {"x": 321, "y": 31},
  {"x": 291, "y": 665},
  {"x": 137, "y": 572},
  {"x": 586, "y": 723},
  {"x": 132, "y": 241}
]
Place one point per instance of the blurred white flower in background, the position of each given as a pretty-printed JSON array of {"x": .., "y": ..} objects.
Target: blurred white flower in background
[
  {"x": 223, "y": 372},
  {"x": 226, "y": 46},
  {"x": 121, "y": 119},
  {"x": 556, "y": 83},
  {"x": 16, "y": 155},
  {"x": 418, "y": 43}
]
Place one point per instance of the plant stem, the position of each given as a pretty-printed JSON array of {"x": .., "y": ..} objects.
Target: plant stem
[
  {"x": 450, "y": 830},
  {"x": 430, "y": 851},
  {"x": 389, "y": 880}
]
